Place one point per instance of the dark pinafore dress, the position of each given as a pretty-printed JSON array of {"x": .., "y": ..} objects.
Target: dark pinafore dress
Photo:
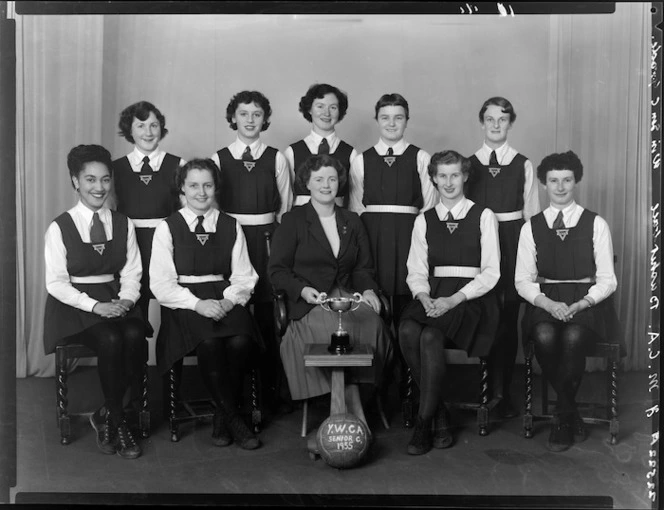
[
  {"x": 144, "y": 197},
  {"x": 197, "y": 255},
  {"x": 471, "y": 325},
  {"x": 567, "y": 254},
  {"x": 301, "y": 153},
  {"x": 391, "y": 181},
  {"x": 250, "y": 189},
  {"x": 500, "y": 188},
  {"x": 86, "y": 260}
]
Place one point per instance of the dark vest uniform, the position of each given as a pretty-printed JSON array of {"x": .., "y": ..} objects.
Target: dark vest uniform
[
  {"x": 86, "y": 259},
  {"x": 389, "y": 233},
  {"x": 500, "y": 188},
  {"x": 301, "y": 153},
  {"x": 567, "y": 254},
  {"x": 196, "y": 255},
  {"x": 471, "y": 325},
  {"x": 146, "y": 197},
  {"x": 252, "y": 191}
]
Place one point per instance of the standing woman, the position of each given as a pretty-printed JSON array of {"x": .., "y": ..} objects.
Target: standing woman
[
  {"x": 564, "y": 270},
  {"x": 453, "y": 264},
  {"x": 324, "y": 106},
  {"x": 321, "y": 247},
  {"x": 93, "y": 275},
  {"x": 202, "y": 277},
  {"x": 144, "y": 182}
]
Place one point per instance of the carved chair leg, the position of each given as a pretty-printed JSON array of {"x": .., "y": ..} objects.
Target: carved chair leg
[
  {"x": 528, "y": 415},
  {"x": 64, "y": 422},
  {"x": 256, "y": 418},
  {"x": 144, "y": 415},
  {"x": 305, "y": 409},
  {"x": 172, "y": 403},
  {"x": 613, "y": 425},
  {"x": 407, "y": 403},
  {"x": 483, "y": 410}
]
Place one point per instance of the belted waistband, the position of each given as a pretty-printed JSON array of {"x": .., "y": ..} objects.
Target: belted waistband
[
  {"x": 254, "y": 219},
  {"x": 96, "y": 278},
  {"x": 509, "y": 216},
  {"x": 147, "y": 222},
  {"x": 456, "y": 271},
  {"x": 384, "y": 208},
  {"x": 203, "y": 278}
]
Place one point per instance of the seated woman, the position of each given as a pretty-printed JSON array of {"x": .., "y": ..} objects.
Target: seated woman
[
  {"x": 453, "y": 265},
  {"x": 93, "y": 279},
  {"x": 201, "y": 275},
  {"x": 564, "y": 270},
  {"x": 321, "y": 247}
]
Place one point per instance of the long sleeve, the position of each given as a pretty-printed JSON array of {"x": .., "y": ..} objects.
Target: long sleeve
[
  {"x": 356, "y": 176},
  {"x": 163, "y": 275},
  {"x": 283, "y": 177},
  {"x": 489, "y": 261},
  {"x": 429, "y": 192},
  {"x": 132, "y": 271},
  {"x": 282, "y": 259},
  {"x": 290, "y": 159},
  {"x": 531, "y": 205},
  {"x": 605, "y": 276},
  {"x": 243, "y": 277},
  {"x": 418, "y": 261},
  {"x": 526, "y": 265}
]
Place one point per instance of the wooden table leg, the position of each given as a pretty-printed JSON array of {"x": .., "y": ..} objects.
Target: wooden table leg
[{"x": 338, "y": 392}]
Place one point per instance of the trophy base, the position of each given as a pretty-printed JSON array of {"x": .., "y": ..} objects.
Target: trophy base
[{"x": 340, "y": 344}]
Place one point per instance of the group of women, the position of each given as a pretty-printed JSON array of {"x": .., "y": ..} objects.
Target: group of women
[{"x": 437, "y": 235}]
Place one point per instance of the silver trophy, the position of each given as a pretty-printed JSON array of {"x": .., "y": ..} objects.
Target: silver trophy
[{"x": 340, "y": 339}]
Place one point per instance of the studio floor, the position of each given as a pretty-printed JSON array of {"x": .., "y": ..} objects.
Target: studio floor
[{"x": 501, "y": 470}]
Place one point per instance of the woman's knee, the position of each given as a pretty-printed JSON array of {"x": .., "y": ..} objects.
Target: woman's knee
[
  {"x": 545, "y": 335},
  {"x": 409, "y": 332},
  {"x": 432, "y": 339}
]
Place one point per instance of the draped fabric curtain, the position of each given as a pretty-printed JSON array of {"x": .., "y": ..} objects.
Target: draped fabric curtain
[
  {"x": 578, "y": 82},
  {"x": 59, "y": 96}
]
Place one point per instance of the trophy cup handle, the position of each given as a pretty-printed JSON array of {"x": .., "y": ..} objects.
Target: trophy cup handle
[
  {"x": 322, "y": 298},
  {"x": 357, "y": 301}
]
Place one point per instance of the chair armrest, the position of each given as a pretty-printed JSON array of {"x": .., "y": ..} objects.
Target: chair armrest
[{"x": 280, "y": 312}]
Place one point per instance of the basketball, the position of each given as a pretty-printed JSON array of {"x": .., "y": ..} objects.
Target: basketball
[{"x": 343, "y": 440}]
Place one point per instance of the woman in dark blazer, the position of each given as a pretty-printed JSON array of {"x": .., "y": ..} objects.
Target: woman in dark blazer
[{"x": 322, "y": 248}]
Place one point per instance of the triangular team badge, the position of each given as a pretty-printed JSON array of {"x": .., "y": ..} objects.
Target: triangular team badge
[
  {"x": 99, "y": 248},
  {"x": 146, "y": 179},
  {"x": 493, "y": 170},
  {"x": 562, "y": 233},
  {"x": 202, "y": 238},
  {"x": 249, "y": 165},
  {"x": 389, "y": 160},
  {"x": 452, "y": 226}
]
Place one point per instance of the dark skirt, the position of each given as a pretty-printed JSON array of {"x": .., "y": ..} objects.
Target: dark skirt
[
  {"x": 364, "y": 326},
  {"x": 182, "y": 330},
  {"x": 471, "y": 325},
  {"x": 508, "y": 236},
  {"x": 62, "y": 321},
  {"x": 390, "y": 237},
  {"x": 258, "y": 254},
  {"x": 144, "y": 240}
]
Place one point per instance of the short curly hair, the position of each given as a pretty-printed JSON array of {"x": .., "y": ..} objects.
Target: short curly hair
[
  {"x": 393, "y": 99},
  {"x": 80, "y": 155},
  {"x": 198, "y": 164},
  {"x": 448, "y": 157},
  {"x": 319, "y": 91},
  {"x": 560, "y": 161},
  {"x": 500, "y": 102},
  {"x": 248, "y": 97},
  {"x": 315, "y": 163},
  {"x": 141, "y": 111}
]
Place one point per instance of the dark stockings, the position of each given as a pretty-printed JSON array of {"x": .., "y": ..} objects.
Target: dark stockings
[
  {"x": 503, "y": 353},
  {"x": 561, "y": 352},
  {"x": 222, "y": 363},
  {"x": 119, "y": 346},
  {"x": 423, "y": 348}
]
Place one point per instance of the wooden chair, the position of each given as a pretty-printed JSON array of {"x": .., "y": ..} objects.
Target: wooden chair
[
  {"x": 180, "y": 411},
  {"x": 63, "y": 355},
  {"x": 281, "y": 324},
  {"x": 611, "y": 354},
  {"x": 483, "y": 405}
]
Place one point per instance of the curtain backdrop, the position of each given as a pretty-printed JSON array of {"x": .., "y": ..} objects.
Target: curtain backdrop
[{"x": 577, "y": 82}]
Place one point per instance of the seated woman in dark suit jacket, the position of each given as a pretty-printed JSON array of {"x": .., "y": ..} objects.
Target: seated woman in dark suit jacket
[{"x": 320, "y": 247}]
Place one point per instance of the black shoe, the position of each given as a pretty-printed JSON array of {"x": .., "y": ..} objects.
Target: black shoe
[
  {"x": 579, "y": 431},
  {"x": 442, "y": 435},
  {"x": 241, "y": 433},
  {"x": 103, "y": 431},
  {"x": 421, "y": 442},
  {"x": 560, "y": 438},
  {"x": 505, "y": 408},
  {"x": 220, "y": 434},
  {"x": 126, "y": 444}
]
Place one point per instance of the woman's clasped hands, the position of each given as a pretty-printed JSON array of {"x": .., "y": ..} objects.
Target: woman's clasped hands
[
  {"x": 116, "y": 308},
  {"x": 215, "y": 309}
]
